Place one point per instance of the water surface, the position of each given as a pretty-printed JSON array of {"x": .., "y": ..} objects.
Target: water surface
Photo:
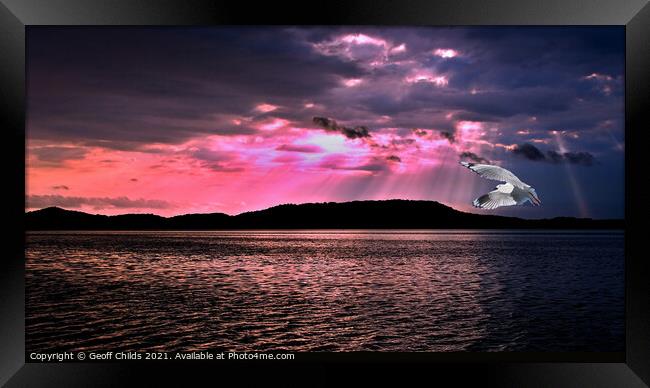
[{"x": 325, "y": 291}]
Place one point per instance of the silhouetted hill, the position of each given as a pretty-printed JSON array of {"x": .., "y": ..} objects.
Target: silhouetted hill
[
  {"x": 200, "y": 221},
  {"x": 56, "y": 218},
  {"x": 389, "y": 214}
]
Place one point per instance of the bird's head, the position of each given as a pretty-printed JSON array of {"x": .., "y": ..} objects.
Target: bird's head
[{"x": 534, "y": 199}]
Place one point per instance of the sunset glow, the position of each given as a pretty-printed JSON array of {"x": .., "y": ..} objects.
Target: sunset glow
[
  {"x": 178, "y": 121},
  {"x": 445, "y": 53}
]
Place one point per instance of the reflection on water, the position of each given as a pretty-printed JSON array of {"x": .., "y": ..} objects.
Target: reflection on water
[{"x": 325, "y": 291}]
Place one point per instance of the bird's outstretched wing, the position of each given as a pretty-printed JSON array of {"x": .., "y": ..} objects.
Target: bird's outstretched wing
[
  {"x": 495, "y": 199},
  {"x": 496, "y": 173}
]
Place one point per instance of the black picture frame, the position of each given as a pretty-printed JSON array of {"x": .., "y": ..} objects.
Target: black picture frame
[{"x": 630, "y": 369}]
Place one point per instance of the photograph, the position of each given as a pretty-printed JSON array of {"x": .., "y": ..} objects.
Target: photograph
[{"x": 295, "y": 189}]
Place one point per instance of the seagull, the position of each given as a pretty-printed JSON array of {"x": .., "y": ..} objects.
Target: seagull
[{"x": 512, "y": 192}]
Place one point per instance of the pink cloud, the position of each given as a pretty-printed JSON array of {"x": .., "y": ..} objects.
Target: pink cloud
[
  {"x": 305, "y": 148},
  {"x": 604, "y": 82},
  {"x": 398, "y": 49},
  {"x": 469, "y": 129},
  {"x": 96, "y": 203},
  {"x": 445, "y": 53},
  {"x": 347, "y": 163},
  {"x": 287, "y": 158},
  {"x": 265, "y": 108},
  {"x": 599, "y": 77},
  {"x": 428, "y": 77},
  {"x": 272, "y": 124},
  {"x": 220, "y": 173},
  {"x": 350, "y": 82},
  {"x": 367, "y": 50},
  {"x": 227, "y": 173},
  {"x": 363, "y": 39}
]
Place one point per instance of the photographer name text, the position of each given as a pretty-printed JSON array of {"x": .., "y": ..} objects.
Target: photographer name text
[{"x": 155, "y": 356}]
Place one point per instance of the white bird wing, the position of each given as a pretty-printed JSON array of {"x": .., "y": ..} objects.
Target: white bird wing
[
  {"x": 496, "y": 173},
  {"x": 502, "y": 196}
]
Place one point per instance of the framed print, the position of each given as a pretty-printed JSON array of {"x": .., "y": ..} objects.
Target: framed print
[{"x": 230, "y": 188}]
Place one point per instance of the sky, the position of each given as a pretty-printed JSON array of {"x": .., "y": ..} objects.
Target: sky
[{"x": 233, "y": 119}]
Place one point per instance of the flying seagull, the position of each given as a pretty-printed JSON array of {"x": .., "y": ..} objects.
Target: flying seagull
[{"x": 512, "y": 192}]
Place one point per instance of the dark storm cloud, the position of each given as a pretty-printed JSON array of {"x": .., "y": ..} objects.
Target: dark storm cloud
[
  {"x": 490, "y": 105},
  {"x": 332, "y": 125},
  {"x": 581, "y": 158},
  {"x": 54, "y": 155},
  {"x": 143, "y": 85},
  {"x": 530, "y": 152},
  {"x": 584, "y": 158},
  {"x": 158, "y": 85},
  {"x": 554, "y": 156},
  {"x": 597, "y": 48},
  {"x": 42, "y": 201},
  {"x": 448, "y": 135},
  {"x": 475, "y": 116},
  {"x": 473, "y": 157},
  {"x": 402, "y": 141}
]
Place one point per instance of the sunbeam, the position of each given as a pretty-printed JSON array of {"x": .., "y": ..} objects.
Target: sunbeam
[{"x": 575, "y": 187}]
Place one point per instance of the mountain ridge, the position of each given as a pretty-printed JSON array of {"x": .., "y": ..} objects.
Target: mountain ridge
[{"x": 384, "y": 214}]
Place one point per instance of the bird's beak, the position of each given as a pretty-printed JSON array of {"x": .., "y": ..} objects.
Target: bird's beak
[{"x": 535, "y": 199}]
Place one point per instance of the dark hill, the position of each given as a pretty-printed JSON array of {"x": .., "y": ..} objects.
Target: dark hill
[
  {"x": 200, "y": 221},
  {"x": 55, "y": 218},
  {"x": 397, "y": 214}
]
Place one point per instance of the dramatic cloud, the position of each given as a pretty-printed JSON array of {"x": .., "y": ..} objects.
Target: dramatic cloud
[
  {"x": 530, "y": 152},
  {"x": 365, "y": 48},
  {"x": 55, "y": 156},
  {"x": 350, "y": 133},
  {"x": 305, "y": 148},
  {"x": 163, "y": 86},
  {"x": 41, "y": 201},
  {"x": 236, "y": 118},
  {"x": 445, "y": 53},
  {"x": 448, "y": 135},
  {"x": 344, "y": 163},
  {"x": 582, "y": 158},
  {"x": 215, "y": 160},
  {"x": 420, "y": 132},
  {"x": 473, "y": 157},
  {"x": 265, "y": 108}
]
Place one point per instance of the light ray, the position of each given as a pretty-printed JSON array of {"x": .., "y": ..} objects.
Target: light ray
[{"x": 577, "y": 192}]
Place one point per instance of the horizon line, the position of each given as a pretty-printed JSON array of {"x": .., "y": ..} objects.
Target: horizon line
[{"x": 319, "y": 203}]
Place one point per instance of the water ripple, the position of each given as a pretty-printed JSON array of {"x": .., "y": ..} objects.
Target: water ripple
[{"x": 324, "y": 291}]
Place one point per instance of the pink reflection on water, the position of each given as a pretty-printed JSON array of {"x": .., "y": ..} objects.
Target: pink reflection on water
[{"x": 342, "y": 290}]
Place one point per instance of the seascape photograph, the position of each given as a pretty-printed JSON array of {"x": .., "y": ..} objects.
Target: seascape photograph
[{"x": 325, "y": 189}]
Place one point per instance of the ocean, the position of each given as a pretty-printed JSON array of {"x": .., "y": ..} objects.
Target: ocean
[{"x": 325, "y": 290}]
